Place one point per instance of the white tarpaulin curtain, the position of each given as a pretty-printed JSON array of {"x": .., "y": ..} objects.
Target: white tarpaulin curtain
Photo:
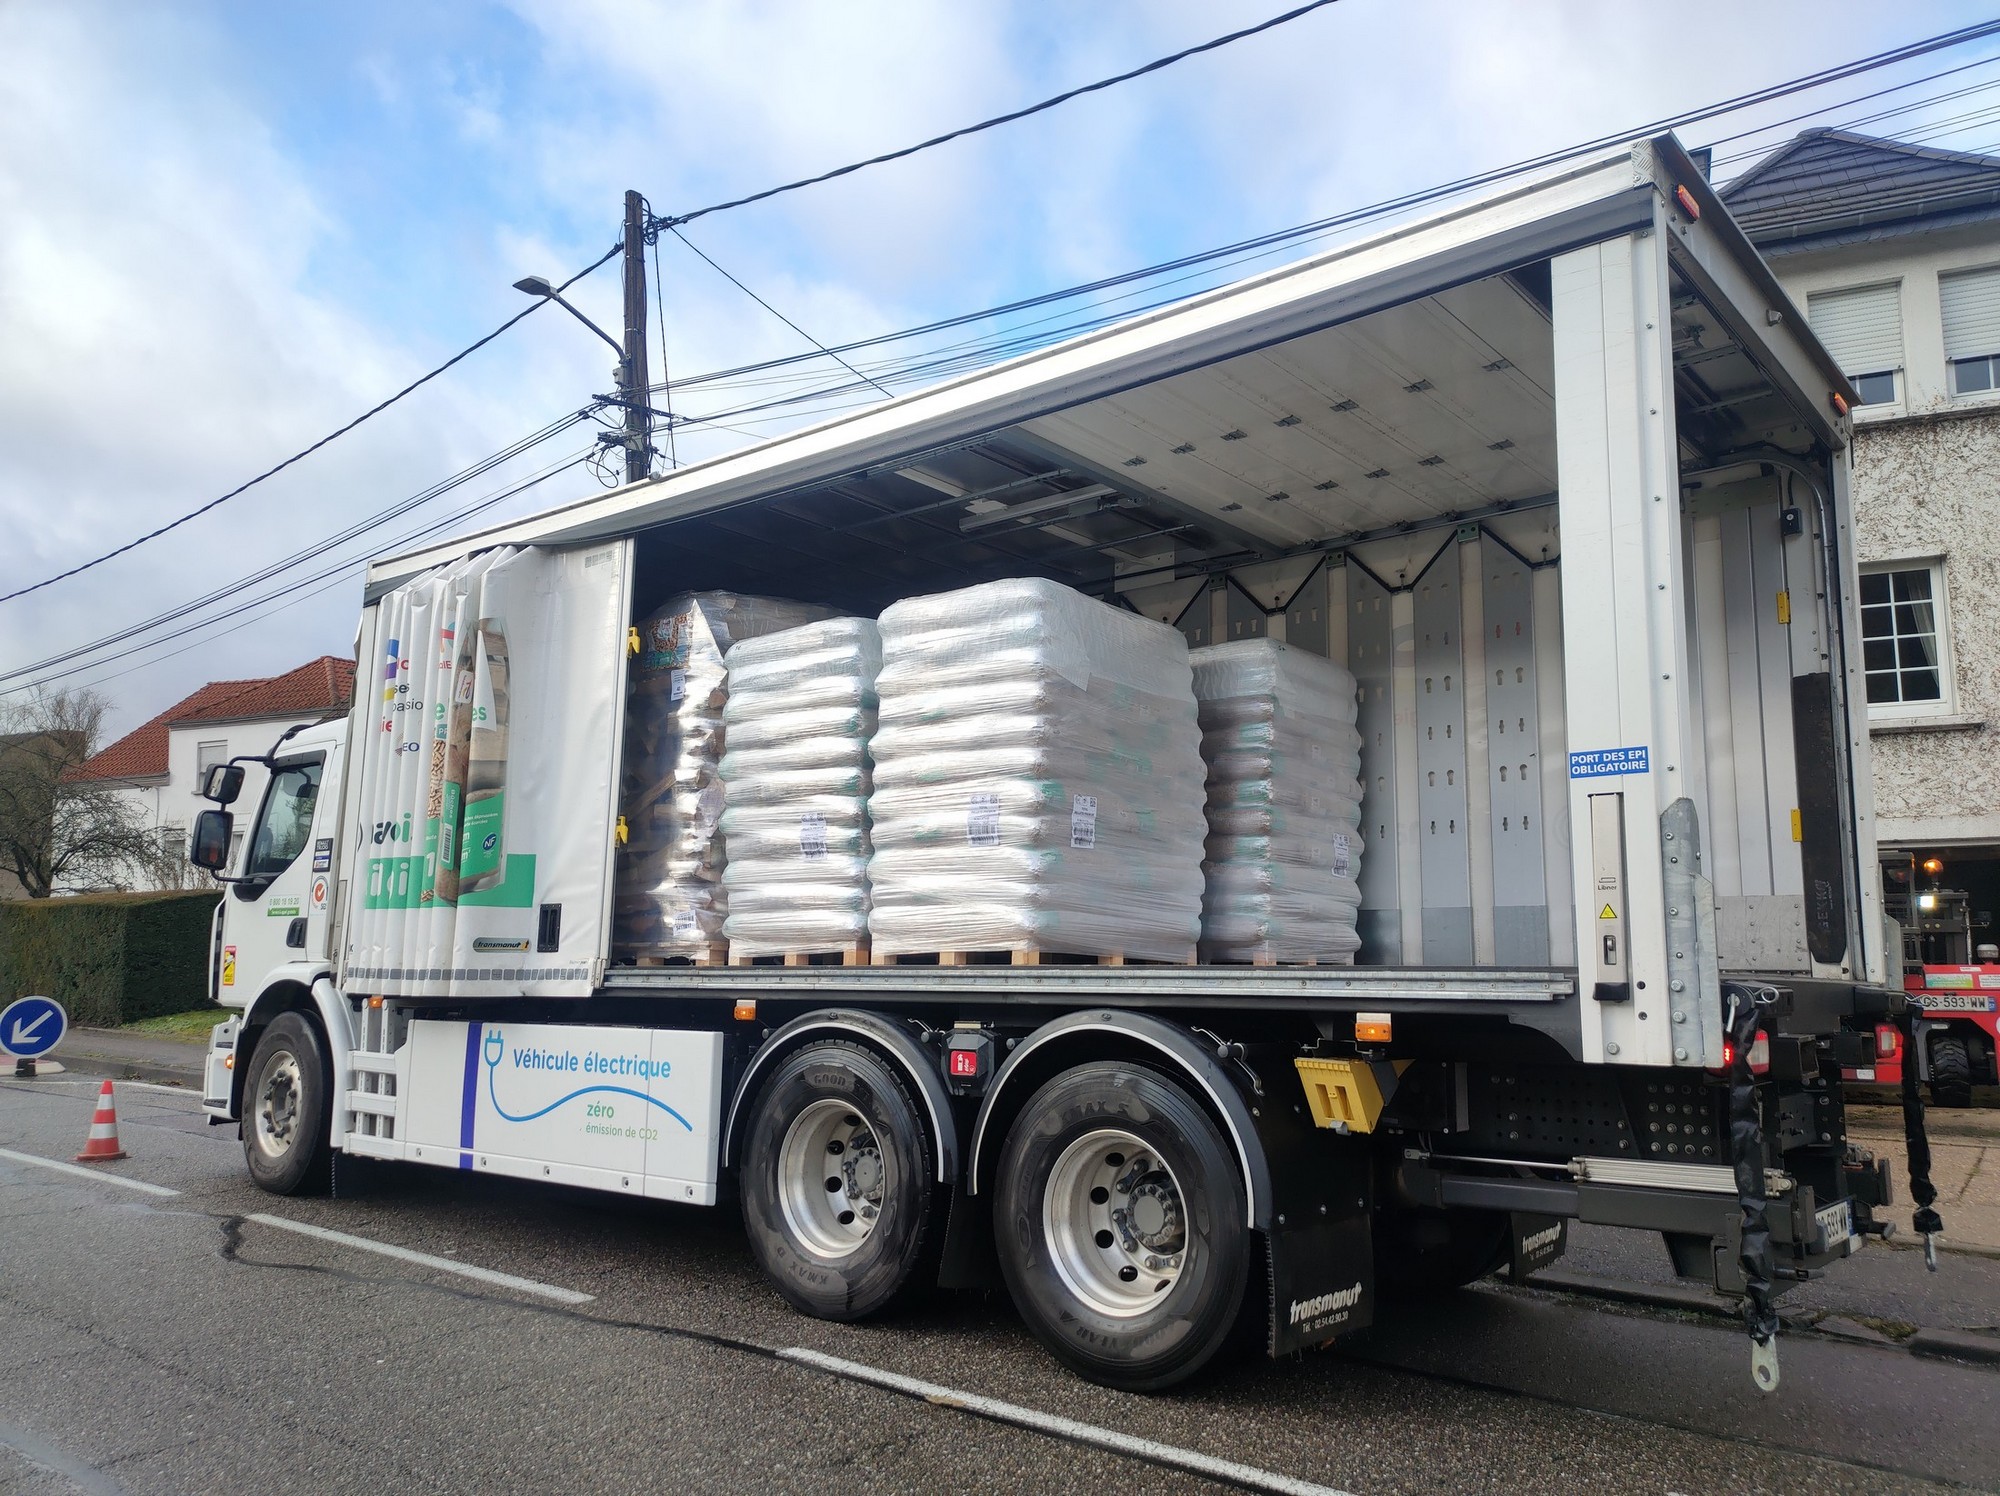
[{"x": 480, "y": 829}]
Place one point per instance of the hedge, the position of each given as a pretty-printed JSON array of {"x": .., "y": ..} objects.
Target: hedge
[{"x": 109, "y": 958}]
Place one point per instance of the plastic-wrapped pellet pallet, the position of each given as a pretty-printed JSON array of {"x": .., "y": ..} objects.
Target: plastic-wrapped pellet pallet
[
  {"x": 1037, "y": 778},
  {"x": 800, "y": 714},
  {"x": 669, "y": 898},
  {"x": 1284, "y": 804}
]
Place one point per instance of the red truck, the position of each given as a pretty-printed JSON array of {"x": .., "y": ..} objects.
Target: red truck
[{"x": 1956, "y": 1032}]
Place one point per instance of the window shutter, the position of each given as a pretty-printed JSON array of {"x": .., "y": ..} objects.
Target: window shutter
[
  {"x": 1862, "y": 328},
  {"x": 1971, "y": 313}
]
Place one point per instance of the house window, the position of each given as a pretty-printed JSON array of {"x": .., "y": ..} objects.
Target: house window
[
  {"x": 1862, "y": 327},
  {"x": 1970, "y": 302},
  {"x": 206, "y": 754},
  {"x": 1902, "y": 634}
]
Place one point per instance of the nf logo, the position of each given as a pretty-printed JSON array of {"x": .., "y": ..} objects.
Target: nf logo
[
  {"x": 1311, "y": 1309},
  {"x": 490, "y": 843},
  {"x": 1536, "y": 1241}
]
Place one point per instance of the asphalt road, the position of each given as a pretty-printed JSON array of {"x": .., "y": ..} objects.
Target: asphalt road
[{"x": 171, "y": 1343}]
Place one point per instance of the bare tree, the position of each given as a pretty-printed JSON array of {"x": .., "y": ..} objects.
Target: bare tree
[{"x": 58, "y": 831}]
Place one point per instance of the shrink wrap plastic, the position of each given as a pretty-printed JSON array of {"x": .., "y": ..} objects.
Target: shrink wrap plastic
[
  {"x": 1284, "y": 804},
  {"x": 1037, "y": 778},
  {"x": 800, "y": 714},
  {"x": 670, "y": 899}
]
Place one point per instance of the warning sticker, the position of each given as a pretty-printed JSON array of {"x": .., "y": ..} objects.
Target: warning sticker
[
  {"x": 812, "y": 835},
  {"x": 982, "y": 819},
  {"x": 1607, "y": 913},
  {"x": 229, "y": 966},
  {"x": 323, "y": 854},
  {"x": 1083, "y": 820},
  {"x": 677, "y": 684},
  {"x": 1343, "y": 855},
  {"x": 1591, "y": 763}
]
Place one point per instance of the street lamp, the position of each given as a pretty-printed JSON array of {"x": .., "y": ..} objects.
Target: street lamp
[
  {"x": 535, "y": 285},
  {"x": 638, "y": 450}
]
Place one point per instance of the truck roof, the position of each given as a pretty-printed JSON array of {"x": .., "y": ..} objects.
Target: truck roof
[{"x": 1454, "y": 420}]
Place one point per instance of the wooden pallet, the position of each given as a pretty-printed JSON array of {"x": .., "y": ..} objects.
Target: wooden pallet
[
  {"x": 717, "y": 954},
  {"x": 854, "y": 954},
  {"x": 1018, "y": 958}
]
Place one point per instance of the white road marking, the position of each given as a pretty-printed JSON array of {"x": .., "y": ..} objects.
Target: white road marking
[
  {"x": 1068, "y": 1428},
  {"x": 424, "y": 1259},
  {"x": 81, "y": 1172},
  {"x": 96, "y": 1082}
]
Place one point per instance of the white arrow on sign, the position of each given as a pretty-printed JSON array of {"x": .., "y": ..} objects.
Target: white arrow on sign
[{"x": 24, "y": 1031}]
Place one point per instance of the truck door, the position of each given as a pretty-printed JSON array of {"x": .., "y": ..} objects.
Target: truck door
[
  {"x": 270, "y": 903},
  {"x": 484, "y": 788}
]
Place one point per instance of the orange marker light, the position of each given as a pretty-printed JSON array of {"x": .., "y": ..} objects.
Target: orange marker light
[
  {"x": 1371, "y": 1028},
  {"x": 1688, "y": 205},
  {"x": 374, "y": 1002},
  {"x": 1933, "y": 866},
  {"x": 1838, "y": 401},
  {"x": 746, "y": 1010}
]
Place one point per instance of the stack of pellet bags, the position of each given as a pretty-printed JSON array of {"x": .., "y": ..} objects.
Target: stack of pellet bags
[{"x": 1010, "y": 767}]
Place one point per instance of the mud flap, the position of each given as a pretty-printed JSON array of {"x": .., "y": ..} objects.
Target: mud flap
[
  {"x": 1534, "y": 1242},
  {"x": 1320, "y": 1237}
]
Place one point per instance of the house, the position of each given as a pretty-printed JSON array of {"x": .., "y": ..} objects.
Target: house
[
  {"x": 159, "y": 764},
  {"x": 1893, "y": 251}
]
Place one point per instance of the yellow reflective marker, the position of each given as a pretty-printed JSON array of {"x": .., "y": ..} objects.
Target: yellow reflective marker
[
  {"x": 1784, "y": 607},
  {"x": 1798, "y": 828}
]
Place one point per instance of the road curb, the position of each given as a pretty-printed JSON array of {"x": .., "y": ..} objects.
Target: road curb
[
  {"x": 1653, "y": 1295},
  {"x": 1955, "y": 1345},
  {"x": 163, "y": 1075}
]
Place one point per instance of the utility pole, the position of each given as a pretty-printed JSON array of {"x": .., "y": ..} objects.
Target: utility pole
[{"x": 635, "y": 378}]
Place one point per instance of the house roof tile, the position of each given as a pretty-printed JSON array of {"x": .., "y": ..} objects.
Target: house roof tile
[
  {"x": 1832, "y": 182},
  {"x": 321, "y": 685}
]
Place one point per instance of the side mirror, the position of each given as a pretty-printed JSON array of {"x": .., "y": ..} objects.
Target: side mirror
[
  {"x": 209, "y": 846},
  {"x": 222, "y": 783}
]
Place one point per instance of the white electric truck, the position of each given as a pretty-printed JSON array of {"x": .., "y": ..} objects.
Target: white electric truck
[{"x": 1561, "y": 476}]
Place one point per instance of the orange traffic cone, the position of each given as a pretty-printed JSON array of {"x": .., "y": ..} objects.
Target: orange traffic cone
[{"x": 102, "y": 1145}]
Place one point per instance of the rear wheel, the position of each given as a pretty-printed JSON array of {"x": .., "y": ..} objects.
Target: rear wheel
[
  {"x": 838, "y": 1180},
  {"x": 1951, "y": 1071},
  {"x": 1120, "y": 1215},
  {"x": 286, "y": 1111}
]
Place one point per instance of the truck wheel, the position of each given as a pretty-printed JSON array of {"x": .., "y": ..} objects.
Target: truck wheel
[
  {"x": 1951, "y": 1072},
  {"x": 1120, "y": 1217},
  {"x": 1421, "y": 1252},
  {"x": 285, "y": 1109},
  {"x": 838, "y": 1183}
]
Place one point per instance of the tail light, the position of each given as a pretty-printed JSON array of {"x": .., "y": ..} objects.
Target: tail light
[
  {"x": 1760, "y": 1056},
  {"x": 1886, "y": 1040}
]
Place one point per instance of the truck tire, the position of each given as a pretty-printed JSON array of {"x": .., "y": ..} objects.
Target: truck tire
[
  {"x": 286, "y": 1110},
  {"x": 1422, "y": 1251},
  {"x": 839, "y": 1188},
  {"x": 1120, "y": 1215},
  {"x": 1951, "y": 1071}
]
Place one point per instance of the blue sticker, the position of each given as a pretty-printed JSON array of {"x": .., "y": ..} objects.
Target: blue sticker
[{"x": 1597, "y": 761}]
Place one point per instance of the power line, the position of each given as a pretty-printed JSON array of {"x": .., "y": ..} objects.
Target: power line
[
  {"x": 375, "y": 410},
  {"x": 1154, "y": 66},
  {"x": 309, "y": 553},
  {"x": 773, "y": 310}
]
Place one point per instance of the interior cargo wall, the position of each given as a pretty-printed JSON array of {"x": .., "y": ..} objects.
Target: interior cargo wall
[
  {"x": 1454, "y": 637},
  {"x": 1747, "y": 641}
]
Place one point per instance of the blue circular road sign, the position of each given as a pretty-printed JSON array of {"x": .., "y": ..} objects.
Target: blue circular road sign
[{"x": 31, "y": 1026}]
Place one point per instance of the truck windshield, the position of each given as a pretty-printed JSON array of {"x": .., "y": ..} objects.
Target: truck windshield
[{"x": 286, "y": 822}]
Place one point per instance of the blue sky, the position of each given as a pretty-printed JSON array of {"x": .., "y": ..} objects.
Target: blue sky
[{"x": 226, "y": 228}]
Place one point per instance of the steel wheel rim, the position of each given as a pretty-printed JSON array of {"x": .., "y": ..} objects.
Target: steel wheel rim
[
  {"x": 278, "y": 1104},
  {"x": 831, "y": 1179},
  {"x": 1115, "y": 1222}
]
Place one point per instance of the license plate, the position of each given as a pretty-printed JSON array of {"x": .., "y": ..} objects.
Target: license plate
[
  {"x": 1836, "y": 1223},
  {"x": 1955, "y": 1002}
]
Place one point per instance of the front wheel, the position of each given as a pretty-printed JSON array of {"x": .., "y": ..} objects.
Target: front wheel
[
  {"x": 1121, "y": 1218},
  {"x": 839, "y": 1184},
  {"x": 286, "y": 1111}
]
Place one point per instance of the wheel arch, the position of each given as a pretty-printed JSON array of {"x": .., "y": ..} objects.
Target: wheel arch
[
  {"x": 891, "y": 1041},
  {"x": 320, "y": 1002},
  {"x": 1080, "y": 1038}
]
